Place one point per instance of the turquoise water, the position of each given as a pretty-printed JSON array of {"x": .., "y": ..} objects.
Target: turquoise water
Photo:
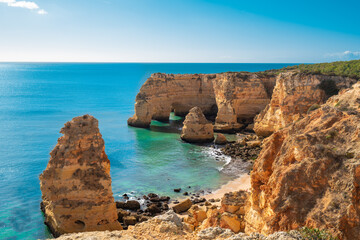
[{"x": 36, "y": 99}]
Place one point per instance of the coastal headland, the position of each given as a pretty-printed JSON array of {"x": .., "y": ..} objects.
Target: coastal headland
[{"x": 298, "y": 129}]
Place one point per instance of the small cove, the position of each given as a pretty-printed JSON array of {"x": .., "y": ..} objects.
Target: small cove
[{"x": 38, "y": 98}]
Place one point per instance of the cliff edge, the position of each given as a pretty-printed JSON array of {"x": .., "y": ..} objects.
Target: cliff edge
[
  {"x": 308, "y": 174},
  {"x": 296, "y": 93}
]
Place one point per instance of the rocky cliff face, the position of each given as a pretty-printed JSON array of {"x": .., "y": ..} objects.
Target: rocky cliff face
[
  {"x": 240, "y": 97},
  {"x": 196, "y": 128},
  {"x": 308, "y": 174},
  {"x": 76, "y": 184},
  {"x": 293, "y": 96},
  {"x": 232, "y": 97},
  {"x": 163, "y": 93}
]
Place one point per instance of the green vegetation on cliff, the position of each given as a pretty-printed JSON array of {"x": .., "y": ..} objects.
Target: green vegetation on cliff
[
  {"x": 315, "y": 234},
  {"x": 345, "y": 68}
]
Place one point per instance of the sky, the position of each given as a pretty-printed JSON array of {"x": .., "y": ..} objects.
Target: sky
[{"x": 234, "y": 31}]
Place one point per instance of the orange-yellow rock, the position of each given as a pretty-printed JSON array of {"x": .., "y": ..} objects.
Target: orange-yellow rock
[
  {"x": 195, "y": 217},
  {"x": 76, "y": 184},
  {"x": 308, "y": 174},
  {"x": 234, "y": 201},
  {"x": 220, "y": 139},
  {"x": 213, "y": 216},
  {"x": 231, "y": 221},
  {"x": 182, "y": 206},
  {"x": 233, "y": 98},
  {"x": 293, "y": 95},
  {"x": 196, "y": 128}
]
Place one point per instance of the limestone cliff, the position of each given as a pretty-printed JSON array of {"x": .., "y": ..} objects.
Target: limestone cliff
[
  {"x": 240, "y": 97},
  {"x": 196, "y": 128},
  {"x": 76, "y": 184},
  {"x": 233, "y": 98},
  {"x": 309, "y": 172},
  {"x": 294, "y": 94}
]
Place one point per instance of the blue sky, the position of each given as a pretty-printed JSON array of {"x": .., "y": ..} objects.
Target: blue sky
[{"x": 179, "y": 30}]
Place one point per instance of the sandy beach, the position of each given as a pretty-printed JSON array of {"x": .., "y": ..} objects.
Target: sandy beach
[{"x": 241, "y": 183}]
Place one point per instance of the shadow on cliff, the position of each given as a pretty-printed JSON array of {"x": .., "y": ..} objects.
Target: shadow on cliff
[{"x": 173, "y": 126}]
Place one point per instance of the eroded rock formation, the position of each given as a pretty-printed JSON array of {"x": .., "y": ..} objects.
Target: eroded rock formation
[
  {"x": 220, "y": 139},
  {"x": 240, "y": 97},
  {"x": 294, "y": 94},
  {"x": 308, "y": 174},
  {"x": 76, "y": 184},
  {"x": 196, "y": 128},
  {"x": 234, "y": 98}
]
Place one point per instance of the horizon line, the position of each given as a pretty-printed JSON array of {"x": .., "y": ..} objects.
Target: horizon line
[{"x": 160, "y": 62}]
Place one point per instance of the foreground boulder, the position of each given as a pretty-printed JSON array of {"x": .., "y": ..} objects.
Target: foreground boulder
[
  {"x": 295, "y": 94},
  {"x": 308, "y": 174},
  {"x": 196, "y": 128},
  {"x": 76, "y": 184},
  {"x": 167, "y": 226},
  {"x": 182, "y": 206},
  {"x": 229, "y": 216}
]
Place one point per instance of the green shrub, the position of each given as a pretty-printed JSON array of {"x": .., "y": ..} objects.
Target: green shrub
[
  {"x": 313, "y": 107},
  {"x": 341, "y": 68},
  {"x": 338, "y": 104},
  {"x": 315, "y": 234},
  {"x": 331, "y": 134},
  {"x": 350, "y": 155}
]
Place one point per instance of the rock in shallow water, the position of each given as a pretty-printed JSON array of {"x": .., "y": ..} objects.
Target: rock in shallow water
[
  {"x": 76, "y": 184},
  {"x": 220, "y": 139},
  {"x": 196, "y": 128}
]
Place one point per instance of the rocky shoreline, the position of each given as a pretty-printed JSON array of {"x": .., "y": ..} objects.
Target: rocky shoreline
[{"x": 303, "y": 161}]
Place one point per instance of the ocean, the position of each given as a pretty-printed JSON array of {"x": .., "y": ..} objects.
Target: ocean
[{"x": 36, "y": 99}]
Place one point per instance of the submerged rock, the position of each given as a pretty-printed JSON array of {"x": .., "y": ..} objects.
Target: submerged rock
[
  {"x": 196, "y": 128},
  {"x": 76, "y": 184}
]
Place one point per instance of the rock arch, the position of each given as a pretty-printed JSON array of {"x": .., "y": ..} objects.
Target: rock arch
[{"x": 233, "y": 97}]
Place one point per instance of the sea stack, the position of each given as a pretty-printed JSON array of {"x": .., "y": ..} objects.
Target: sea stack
[
  {"x": 196, "y": 128},
  {"x": 76, "y": 184}
]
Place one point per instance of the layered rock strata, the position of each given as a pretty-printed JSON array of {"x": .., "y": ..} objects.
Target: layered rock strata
[
  {"x": 234, "y": 98},
  {"x": 196, "y": 128},
  {"x": 308, "y": 174},
  {"x": 76, "y": 184},
  {"x": 230, "y": 215},
  {"x": 294, "y": 95}
]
